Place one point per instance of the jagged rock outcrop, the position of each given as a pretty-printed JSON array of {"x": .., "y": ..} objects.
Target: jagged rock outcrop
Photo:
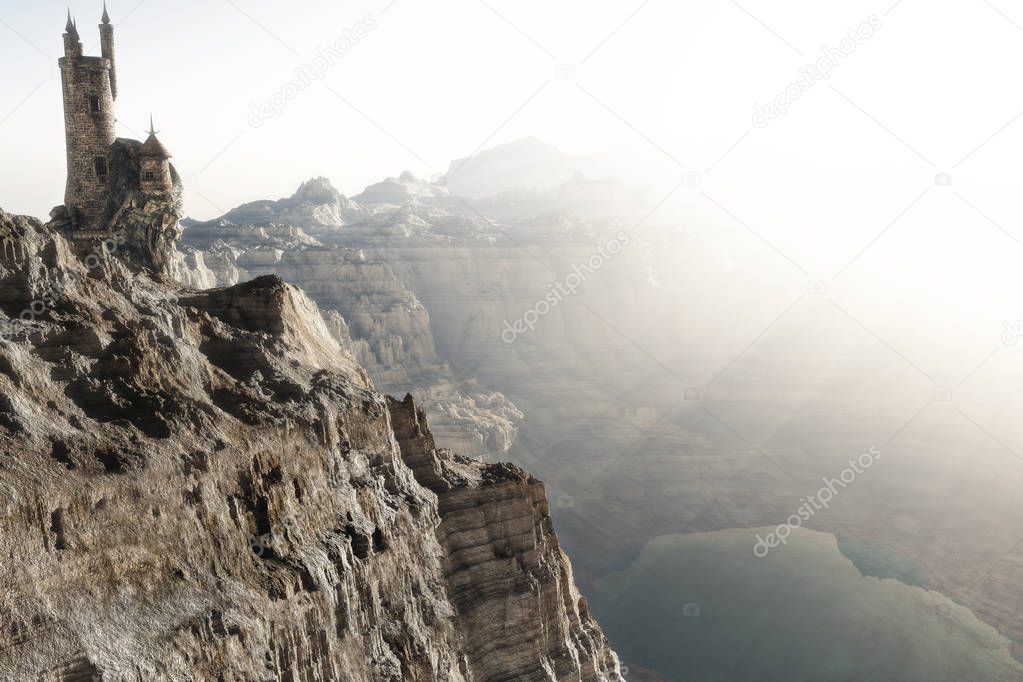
[
  {"x": 142, "y": 226},
  {"x": 370, "y": 311},
  {"x": 402, "y": 190},
  {"x": 503, "y": 560},
  {"x": 204, "y": 485},
  {"x": 316, "y": 203}
]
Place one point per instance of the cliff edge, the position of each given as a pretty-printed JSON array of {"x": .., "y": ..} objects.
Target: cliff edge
[{"x": 204, "y": 485}]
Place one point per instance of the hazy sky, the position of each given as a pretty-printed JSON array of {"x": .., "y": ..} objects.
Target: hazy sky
[{"x": 432, "y": 81}]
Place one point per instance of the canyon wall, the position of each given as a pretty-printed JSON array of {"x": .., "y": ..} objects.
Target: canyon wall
[{"x": 205, "y": 485}]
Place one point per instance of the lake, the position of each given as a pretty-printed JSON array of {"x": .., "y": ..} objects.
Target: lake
[{"x": 701, "y": 607}]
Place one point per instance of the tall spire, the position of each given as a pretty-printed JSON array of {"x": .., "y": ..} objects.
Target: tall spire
[
  {"x": 71, "y": 29},
  {"x": 106, "y": 37},
  {"x": 152, "y": 148}
]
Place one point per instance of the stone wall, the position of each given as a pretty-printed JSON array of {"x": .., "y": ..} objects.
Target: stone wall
[
  {"x": 154, "y": 175},
  {"x": 89, "y": 135},
  {"x": 106, "y": 34}
]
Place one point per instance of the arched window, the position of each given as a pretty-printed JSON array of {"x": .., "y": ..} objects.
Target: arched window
[
  {"x": 94, "y": 104},
  {"x": 101, "y": 167}
]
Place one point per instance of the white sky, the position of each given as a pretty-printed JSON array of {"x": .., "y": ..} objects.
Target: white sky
[
  {"x": 841, "y": 188},
  {"x": 677, "y": 80}
]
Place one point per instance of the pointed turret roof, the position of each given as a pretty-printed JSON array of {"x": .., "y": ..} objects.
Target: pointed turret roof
[
  {"x": 71, "y": 29},
  {"x": 106, "y": 17},
  {"x": 152, "y": 146}
]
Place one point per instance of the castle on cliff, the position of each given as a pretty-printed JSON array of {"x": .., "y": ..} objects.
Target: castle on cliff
[{"x": 89, "y": 86}]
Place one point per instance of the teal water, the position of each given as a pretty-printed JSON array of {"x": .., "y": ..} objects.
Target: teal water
[
  {"x": 803, "y": 613},
  {"x": 880, "y": 563}
]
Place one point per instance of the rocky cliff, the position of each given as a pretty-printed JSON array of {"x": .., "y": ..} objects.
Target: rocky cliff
[
  {"x": 368, "y": 307},
  {"x": 650, "y": 393},
  {"x": 142, "y": 226},
  {"x": 503, "y": 559},
  {"x": 205, "y": 485}
]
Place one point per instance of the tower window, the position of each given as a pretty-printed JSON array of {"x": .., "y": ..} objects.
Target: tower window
[
  {"x": 149, "y": 176},
  {"x": 101, "y": 167},
  {"x": 94, "y": 104}
]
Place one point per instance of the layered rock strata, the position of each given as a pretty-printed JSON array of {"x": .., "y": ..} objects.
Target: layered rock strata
[{"x": 507, "y": 574}]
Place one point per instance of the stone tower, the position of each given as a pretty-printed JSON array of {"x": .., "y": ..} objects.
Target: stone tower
[
  {"x": 88, "y": 86},
  {"x": 154, "y": 164}
]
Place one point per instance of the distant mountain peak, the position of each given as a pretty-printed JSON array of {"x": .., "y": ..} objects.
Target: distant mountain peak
[
  {"x": 526, "y": 163},
  {"x": 315, "y": 205},
  {"x": 405, "y": 189},
  {"x": 318, "y": 190}
]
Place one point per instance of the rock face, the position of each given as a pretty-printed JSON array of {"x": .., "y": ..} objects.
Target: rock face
[
  {"x": 146, "y": 221},
  {"x": 370, "y": 310},
  {"x": 503, "y": 558},
  {"x": 142, "y": 225},
  {"x": 205, "y": 485},
  {"x": 316, "y": 202},
  {"x": 604, "y": 380},
  {"x": 569, "y": 396}
]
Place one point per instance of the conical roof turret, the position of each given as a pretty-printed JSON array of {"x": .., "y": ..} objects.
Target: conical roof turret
[{"x": 152, "y": 147}]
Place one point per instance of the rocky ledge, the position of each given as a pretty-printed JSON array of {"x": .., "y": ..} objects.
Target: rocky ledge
[
  {"x": 205, "y": 485},
  {"x": 506, "y": 573}
]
